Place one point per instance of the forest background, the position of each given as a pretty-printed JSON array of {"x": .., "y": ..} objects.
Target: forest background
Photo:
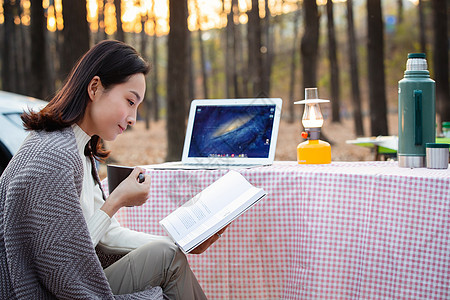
[{"x": 354, "y": 51}]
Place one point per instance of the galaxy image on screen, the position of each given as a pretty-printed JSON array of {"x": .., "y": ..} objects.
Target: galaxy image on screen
[{"x": 232, "y": 131}]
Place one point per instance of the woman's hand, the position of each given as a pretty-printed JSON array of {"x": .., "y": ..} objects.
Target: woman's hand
[
  {"x": 130, "y": 192},
  {"x": 205, "y": 245}
]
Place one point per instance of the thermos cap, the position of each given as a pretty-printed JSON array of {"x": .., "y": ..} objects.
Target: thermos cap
[
  {"x": 416, "y": 55},
  {"x": 437, "y": 145},
  {"x": 416, "y": 62}
]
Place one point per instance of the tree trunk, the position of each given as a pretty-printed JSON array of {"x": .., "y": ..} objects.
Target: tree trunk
[
  {"x": 147, "y": 104},
  {"x": 191, "y": 88},
  {"x": 143, "y": 35},
  {"x": 75, "y": 33},
  {"x": 202, "y": 53},
  {"x": 101, "y": 33},
  {"x": 254, "y": 47},
  {"x": 242, "y": 62},
  {"x": 422, "y": 37},
  {"x": 310, "y": 44},
  {"x": 267, "y": 53},
  {"x": 59, "y": 49},
  {"x": 203, "y": 64},
  {"x": 334, "y": 68},
  {"x": 190, "y": 82},
  {"x": 441, "y": 60},
  {"x": 216, "y": 88},
  {"x": 251, "y": 50},
  {"x": 177, "y": 78},
  {"x": 20, "y": 57},
  {"x": 155, "y": 79},
  {"x": 377, "y": 89},
  {"x": 237, "y": 55},
  {"x": 9, "y": 82},
  {"x": 399, "y": 11},
  {"x": 39, "y": 72},
  {"x": 354, "y": 73},
  {"x": 232, "y": 63},
  {"x": 291, "y": 110},
  {"x": 229, "y": 87},
  {"x": 52, "y": 59},
  {"x": 119, "y": 33},
  {"x": 155, "y": 72},
  {"x": 2, "y": 50}
]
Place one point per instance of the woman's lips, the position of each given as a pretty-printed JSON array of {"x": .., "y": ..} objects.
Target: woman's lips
[{"x": 121, "y": 129}]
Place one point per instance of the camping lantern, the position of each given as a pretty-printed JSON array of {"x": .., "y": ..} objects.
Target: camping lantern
[{"x": 313, "y": 150}]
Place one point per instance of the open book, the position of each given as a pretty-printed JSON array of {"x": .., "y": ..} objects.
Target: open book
[{"x": 211, "y": 210}]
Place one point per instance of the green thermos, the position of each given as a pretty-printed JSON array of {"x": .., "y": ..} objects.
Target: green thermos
[{"x": 416, "y": 112}]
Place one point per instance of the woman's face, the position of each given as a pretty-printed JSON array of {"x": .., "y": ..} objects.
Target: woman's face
[{"x": 110, "y": 111}]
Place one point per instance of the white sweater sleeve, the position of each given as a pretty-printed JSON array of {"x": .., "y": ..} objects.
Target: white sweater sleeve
[
  {"x": 110, "y": 235},
  {"x": 104, "y": 231}
]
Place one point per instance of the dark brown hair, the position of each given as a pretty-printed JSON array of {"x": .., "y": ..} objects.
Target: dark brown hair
[{"x": 113, "y": 61}]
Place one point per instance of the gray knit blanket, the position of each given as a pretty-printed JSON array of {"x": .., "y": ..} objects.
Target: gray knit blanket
[{"x": 45, "y": 248}]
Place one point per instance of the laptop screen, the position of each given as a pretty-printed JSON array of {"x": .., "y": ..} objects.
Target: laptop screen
[{"x": 231, "y": 131}]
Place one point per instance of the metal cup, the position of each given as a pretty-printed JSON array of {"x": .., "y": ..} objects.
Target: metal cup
[{"x": 437, "y": 155}]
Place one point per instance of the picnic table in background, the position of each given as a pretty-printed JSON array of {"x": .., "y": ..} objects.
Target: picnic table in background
[{"x": 385, "y": 147}]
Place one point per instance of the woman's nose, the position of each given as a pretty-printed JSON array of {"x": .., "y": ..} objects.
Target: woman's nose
[{"x": 131, "y": 120}]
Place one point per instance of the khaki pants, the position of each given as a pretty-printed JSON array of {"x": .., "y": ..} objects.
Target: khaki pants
[{"x": 158, "y": 263}]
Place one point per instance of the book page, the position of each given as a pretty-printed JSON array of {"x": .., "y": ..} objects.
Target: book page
[
  {"x": 221, "y": 218},
  {"x": 209, "y": 206}
]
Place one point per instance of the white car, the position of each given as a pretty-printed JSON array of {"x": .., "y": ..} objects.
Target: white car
[{"x": 12, "y": 132}]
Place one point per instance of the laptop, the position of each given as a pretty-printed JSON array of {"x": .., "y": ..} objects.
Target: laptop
[{"x": 229, "y": 133}]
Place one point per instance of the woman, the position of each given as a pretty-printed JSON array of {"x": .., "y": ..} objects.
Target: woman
[{"x": 52, "y": 211}]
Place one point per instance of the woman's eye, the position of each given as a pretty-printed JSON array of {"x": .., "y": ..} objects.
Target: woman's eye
[{"x": 131, "y": 102}]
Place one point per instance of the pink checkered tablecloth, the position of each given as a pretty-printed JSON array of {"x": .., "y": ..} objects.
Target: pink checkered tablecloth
[{"x": 347, "y": 230}]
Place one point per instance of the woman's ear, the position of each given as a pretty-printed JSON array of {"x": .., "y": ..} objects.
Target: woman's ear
[{"x": 94, "y": 87}]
